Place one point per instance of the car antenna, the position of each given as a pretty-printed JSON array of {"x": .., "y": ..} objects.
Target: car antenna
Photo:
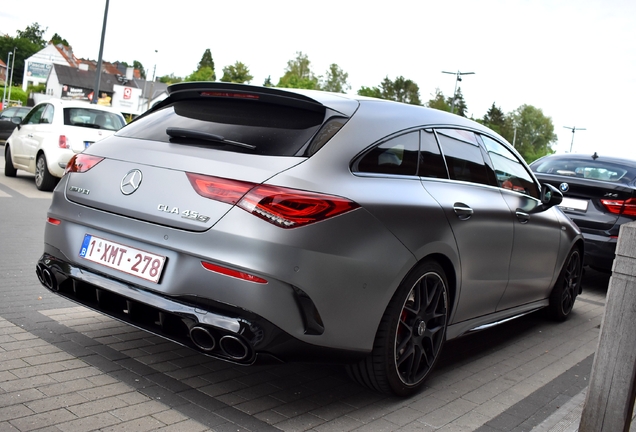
[{"x": 595, "y": 156}]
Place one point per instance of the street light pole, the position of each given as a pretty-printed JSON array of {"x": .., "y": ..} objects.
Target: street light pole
[
  {"x": 458, "y": 78},
  {"x": 98, "y": 74},
  {"x": 6, "y": 79},
  {"x": 11, "y": 79},
  {"x": 573, "y": 129}
]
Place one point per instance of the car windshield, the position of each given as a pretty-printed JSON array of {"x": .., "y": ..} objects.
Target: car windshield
[
  {"x": 588, "y": 169},
  {"x": 92, "y": 118}
]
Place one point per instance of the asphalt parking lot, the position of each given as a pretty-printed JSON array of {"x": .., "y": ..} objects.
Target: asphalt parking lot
[{"x": 64, "y": 367}]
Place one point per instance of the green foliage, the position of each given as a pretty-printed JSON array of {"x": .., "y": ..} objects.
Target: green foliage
[
  {"x": 335, "y": 80},
  {"x": 534, "y": 132},
  {"x": 40, "y": 88},
  {"x": 298, "y": 74},
  {"x": 24, "y": 50},
  {"x": 237, "y": 73},
  {"x": 460, "y": 104},
  {"x": 204, "y": 74},
  {"x": 206, "y": 61},
  {"x": 438, "y": 101},
  {"x": 170, "y": 79},
  {"x": 268, "y": 82},
  {"x": 370, "y": 92},
  {"x": 17, "y": 94},
  {"x": 33, "y": 34},
  {"x": 57, "y": 39},
  {"x": 137, "y": 65},
  {"x": 494, "y": 119}
]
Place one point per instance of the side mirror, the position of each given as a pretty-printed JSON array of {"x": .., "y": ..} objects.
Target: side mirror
[
  {"x": 550, "y": 196},
  {"x": 16, "y": 121}
]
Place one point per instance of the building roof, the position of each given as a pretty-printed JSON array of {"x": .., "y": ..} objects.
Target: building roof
[{"x": 84, "y": 78}]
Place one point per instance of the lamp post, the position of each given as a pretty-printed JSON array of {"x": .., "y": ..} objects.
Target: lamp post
[
  {"x": 11, "y": 79},
  {"x": 573, "y": 129},
  {"x": 6, "y": 79},
  {"x": 98, "y": 74},
  {"x": 458, "y": 78}
]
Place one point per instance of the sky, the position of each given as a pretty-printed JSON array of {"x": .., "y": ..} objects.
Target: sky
[{"x": 573, "y": 59}]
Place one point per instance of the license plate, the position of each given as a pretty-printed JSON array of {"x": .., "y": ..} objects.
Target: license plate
[
  {"x": 124, "y": 258},
  {"x": 574, "y": 204},
  {"x": 87, "y": 144}
]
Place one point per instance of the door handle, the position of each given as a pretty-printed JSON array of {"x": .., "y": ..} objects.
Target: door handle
[
  {"x": 522, "y": 216},
  {"x": 462, "y": 211}
]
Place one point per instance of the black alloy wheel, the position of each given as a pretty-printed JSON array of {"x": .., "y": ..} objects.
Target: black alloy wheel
[
  {"x": 567, "y": 287},
  {"x": 411, "y": 334}
]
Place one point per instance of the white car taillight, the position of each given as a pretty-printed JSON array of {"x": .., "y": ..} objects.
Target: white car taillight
[{"x": 62, "y": 142}]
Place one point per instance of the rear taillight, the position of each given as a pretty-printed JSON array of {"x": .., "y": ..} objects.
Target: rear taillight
[
  {"x": 283, "y": 207},
  {"x": 624, "y": 207},
  {"x": 62, "y": 141},
  {"x": 80, "y": 163}
]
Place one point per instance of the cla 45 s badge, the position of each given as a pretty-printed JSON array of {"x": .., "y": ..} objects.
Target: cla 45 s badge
[{"x": 186, "y": 214}]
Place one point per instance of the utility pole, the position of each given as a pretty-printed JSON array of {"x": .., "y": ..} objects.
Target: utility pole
[
  {"x": 458, "y": 78},
  {"x": 11, "y": 78},
  {"x": 6, "y": 80},
  {"x": 573, "y": 129},
  {"x": 98, "y": 74}
]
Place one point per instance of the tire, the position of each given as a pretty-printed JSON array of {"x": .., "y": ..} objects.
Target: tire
[
  {"x": 9, "y": 169},
  {"x": 410, "y": 337},
  {"x": 567, "y": 287},
  {"x": 44, "y": 181}
]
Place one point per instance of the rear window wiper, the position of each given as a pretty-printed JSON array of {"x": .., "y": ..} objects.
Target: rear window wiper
[{"x": 191, "y": 133}]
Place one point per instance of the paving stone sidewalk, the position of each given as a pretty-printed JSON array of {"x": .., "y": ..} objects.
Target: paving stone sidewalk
[{"x": 77, "y": 370}]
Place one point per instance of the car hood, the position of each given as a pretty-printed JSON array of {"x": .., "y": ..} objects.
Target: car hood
[{"x": 164, "y": 194}]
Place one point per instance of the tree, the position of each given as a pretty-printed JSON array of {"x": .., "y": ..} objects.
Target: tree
[
  {"x": 494, "y": 118},
  {"x": 298, "y": 74},
  {"x": 460, "y": 104},
  {"x": 170, "y": 79},
  {"x": 268, "y": 82},
  {"x": 400, "y": 90},
  {"x": 137, "y": 65},
  {"x": 33, "y": 34},
  {"x": 206, "y": 60},
  {"x": 24, "y": 49},
  {"x": 237, "y": 73},
  {"x": 204, "y": 74},
  {"x": 438, "y": 101},
  {"x": 335, "y": 80},
  {"x": 370, "y": 92},
  {"x": 57, "y": 39},
  {"x": 534, "y": 132}
]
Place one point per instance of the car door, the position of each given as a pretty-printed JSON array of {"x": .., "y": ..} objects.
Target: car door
[
  {"x": 536, "y": 233},
  {"x": 23, "y": 140},
  {"x": 478, "y": 215}
]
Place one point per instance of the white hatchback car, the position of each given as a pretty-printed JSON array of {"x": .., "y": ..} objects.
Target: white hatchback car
[{"x": 51, "y": 133}]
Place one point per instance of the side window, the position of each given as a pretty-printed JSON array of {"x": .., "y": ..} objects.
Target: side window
[
  {"x": 47, "y": 116},
  {"x": 431, "y": 161},
  {"x": 35, "y": 115},
  {"x": 396, "y": 156},
  {"x": 463, "y": 156},
  {"x": 511, "y": 173}
]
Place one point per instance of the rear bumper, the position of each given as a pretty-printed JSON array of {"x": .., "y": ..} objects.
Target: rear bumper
[
  {"x": 217, "y": 330},
  {"x": 599, "y": 251}
]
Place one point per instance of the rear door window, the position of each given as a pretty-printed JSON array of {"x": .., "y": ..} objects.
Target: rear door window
[{"x": 463, "y": 156}]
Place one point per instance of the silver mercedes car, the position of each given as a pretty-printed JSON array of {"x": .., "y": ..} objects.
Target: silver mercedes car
[{"x": 261, "y": 224}]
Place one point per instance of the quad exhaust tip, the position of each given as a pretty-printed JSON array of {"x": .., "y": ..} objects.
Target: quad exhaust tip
[
  {"x": 202, "y": 338},
  {"x": 46, "y": 278}
]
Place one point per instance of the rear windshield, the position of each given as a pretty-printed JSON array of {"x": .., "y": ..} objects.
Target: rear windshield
[
  {"x": 589, "y": 169},
  {"x": 233, "y": 125},
  {"x": 92, "y": 118}
]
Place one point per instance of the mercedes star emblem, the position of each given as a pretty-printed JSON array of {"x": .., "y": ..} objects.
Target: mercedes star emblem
[{"x": 131, "y": 181}]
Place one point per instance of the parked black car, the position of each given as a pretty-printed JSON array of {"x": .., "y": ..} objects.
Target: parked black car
[
  {"x": 599, "y": 195},
  {"x": 6, "y": 125}
]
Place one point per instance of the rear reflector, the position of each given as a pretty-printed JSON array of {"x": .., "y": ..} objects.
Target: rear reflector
[
  {"x": 624, "y": 207},
  {"x": 283, "y": 207},
  {"x": 80, "y": 163},
  {"x": 232, "y": 273},
  {"x": 53, "y": 221}
]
